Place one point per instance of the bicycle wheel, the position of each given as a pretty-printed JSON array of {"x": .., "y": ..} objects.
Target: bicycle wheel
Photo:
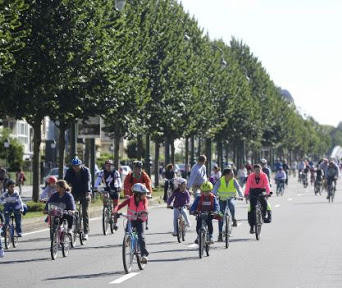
[
  {"x": 227, "y": 231},
  {"x": 127, "y": 254},
  {"x": 66, "y": 243},
  {"x": 201, "y": 243},
  {"x": 178, "y": 231},
  {"x": 54, "y": 245},
  {"x": 105, "y": 220},
  {"x": 138, "y": 256},
  {"x": 80, "y": 231},
  {"x": 332, "y": 195},
  {"x": 183, "y": 230},
  {"x": 207, "y": 247},
  {"x": 258, "y": 222},
  {"x": 111, "y": 221},
  {"x": 14, "y": 240},
  {"x": 7, "y": 238}
]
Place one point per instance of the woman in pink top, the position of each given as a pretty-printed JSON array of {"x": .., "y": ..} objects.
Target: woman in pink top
[{"x": 257, "y": 184}]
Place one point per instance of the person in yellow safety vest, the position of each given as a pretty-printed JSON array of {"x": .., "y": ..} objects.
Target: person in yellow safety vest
[{"x": 226, "y": 188}]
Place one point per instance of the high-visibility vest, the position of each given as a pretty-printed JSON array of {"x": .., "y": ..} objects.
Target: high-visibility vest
[
  {"x": 226, "y": 191},
  {"x": 133, "y": 209}
]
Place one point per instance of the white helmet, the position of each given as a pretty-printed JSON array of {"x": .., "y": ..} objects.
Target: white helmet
[
  {"x": 181, "y": 181},
  {"x": 139, "y": 188},
  {"x": 263, "y": 161}
]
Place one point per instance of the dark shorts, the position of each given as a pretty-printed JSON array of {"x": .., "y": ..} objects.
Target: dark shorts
[{"x": 114, "y": 195}]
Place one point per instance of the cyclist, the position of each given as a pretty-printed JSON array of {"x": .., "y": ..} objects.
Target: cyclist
[
  {"x": 13, "y": 203},
  {"x": 198, "y": 175},
  {"x": 169, "y": 175},
  {"x": 332, "y": 174},
  {"x": 79, "y": 178},
  {"x": 257, "y": 183},
  {"x": 111, "y": 178},
  {"x": 280, "y": 177},
  {"x": 226, "y": 188},
  {"x": 206, "y": 202},
  {"x": 49, "y": 189},
  {"x": 64, "y": 197},
  {"x": 286, "y": 170},
  {"x": 137, "y": 176},
  {"x": 180, "y": 198},
  {"x": 3, "y": 179},
  {"x": 215, "y": 174},
  {"x": 137, "y": 213},
  {"x": 266, "y": 169}
]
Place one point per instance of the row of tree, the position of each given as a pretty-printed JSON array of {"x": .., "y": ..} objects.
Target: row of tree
[{"x": 149, "y": 71}]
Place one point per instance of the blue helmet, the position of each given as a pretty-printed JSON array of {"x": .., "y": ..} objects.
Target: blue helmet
[{"x": 76, "y": 161}]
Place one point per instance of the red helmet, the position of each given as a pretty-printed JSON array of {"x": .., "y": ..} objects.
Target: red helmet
[{"x": 52, "y": 180}]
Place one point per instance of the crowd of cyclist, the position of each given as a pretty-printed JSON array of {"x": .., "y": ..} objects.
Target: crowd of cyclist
[{"x": 211, "y": 194}]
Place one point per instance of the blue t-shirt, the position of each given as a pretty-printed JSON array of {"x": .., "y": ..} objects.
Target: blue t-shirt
[{"x": 67, "y": 199}]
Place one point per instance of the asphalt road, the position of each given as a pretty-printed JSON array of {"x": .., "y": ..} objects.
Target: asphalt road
[{"x": 300, "y": 248}]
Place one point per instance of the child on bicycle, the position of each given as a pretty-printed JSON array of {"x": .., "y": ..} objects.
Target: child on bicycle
[
  {"x": 206, "y": 202},
  {"x": 180, "y": 198},
  {"x": 49, "y": 189},
  {"x": 137, "y": 214},
  {"x": 64, "y": 198},
  {"x": 280, "y": 177},
  {"x": 13, "y": 203}
]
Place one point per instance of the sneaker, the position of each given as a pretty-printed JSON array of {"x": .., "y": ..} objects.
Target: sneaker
[
  {"x": 220, "y": 238},
  {"x": 115, "y": 227},
  {"x": 2, "y": 253},
  {"x": 251, "y": 231},
  {"x": 85, "y": 237},
  {"x": 174, "y": 234},
  {"x": 69, "y": 231},
  {"x": 234, "y": 223},
  {"x": 211, "y": 240},
  {"x": 20, "y": 235},
  {"x": 144, "y": 259},
  {"x": 196, "y": 241}
]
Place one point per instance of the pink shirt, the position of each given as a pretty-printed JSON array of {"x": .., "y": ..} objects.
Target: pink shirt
[{"x": 263, "y": 183}]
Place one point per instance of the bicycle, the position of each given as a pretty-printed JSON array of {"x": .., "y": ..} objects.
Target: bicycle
[
  {"x": 9, "y": 232},
  {"x": 280, "y": 187},
  {"x": 318, "y": 186},
  {"x": 181, "y": 226},
  {"x": 77, "y": 229},
  {"x": 107, "y": 217},
  {"x": 258, "y": 215},
  {"x": 130, "y": 246},
  {"x": 58, "y": 230},
  {"x": 227, "y": 223},
  {"x": 331, "y": 190},
  {"x": 203, "y": 235},
  {"x": 304, "y": 179}
]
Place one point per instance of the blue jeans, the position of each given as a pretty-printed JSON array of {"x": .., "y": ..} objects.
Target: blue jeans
[
  {"x": 231, "y": 206},
  {"x": 141, "y": 238},
  {"x": 17, "y": 218}
]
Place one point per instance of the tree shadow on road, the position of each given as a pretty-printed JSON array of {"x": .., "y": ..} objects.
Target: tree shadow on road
[
  {"x": 99, "y": 247},
  {"x": 85, "y": 276},
  {"x": 317, "y": 203},
  {"x": 24, "y": 261},
  {"x": 241, "y": 240},
  {"x": 172, "y": 251},
  {"x": 161, "y": 243},
  {"x": 160, "y": 233},
  {"x": 35, "y": 240}
]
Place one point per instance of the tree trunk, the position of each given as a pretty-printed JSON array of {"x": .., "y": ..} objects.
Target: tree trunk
[
  {"x": 36, "y": 158},
  {"x": 156, "y": 164},
  {"x": 139, "y": 148},
  {"x": 87, "y": 153},
  {"x": 167, "y": 151},
  {"x": 92, "y": 160},
  {"x": 73, "y": 139},
  {"x": 61, "y": 151},
  {"x": 147, "y": 155},
  {"x": 192, "y": 152},
  {"x": 208, "y": 152},
  {"x": 172, "y": 142},
  {"x": 199, "y": 147},
  {"x": 116, "y": 150},
  {"x": 186, "y": 162}
]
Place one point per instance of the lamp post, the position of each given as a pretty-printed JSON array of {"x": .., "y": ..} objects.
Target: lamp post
[
  {"x": 6, "y": 145},
  {"x": 53, "y": 148}
]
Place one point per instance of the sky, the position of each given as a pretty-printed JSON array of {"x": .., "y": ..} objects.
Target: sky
[{"x": 299, "y": 43}]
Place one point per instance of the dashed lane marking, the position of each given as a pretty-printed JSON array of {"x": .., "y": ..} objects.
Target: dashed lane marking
[
  {"x": 124, "y": 278},
  {"x": 289, "y": 199},
  {"x": 277, "y": 205}
]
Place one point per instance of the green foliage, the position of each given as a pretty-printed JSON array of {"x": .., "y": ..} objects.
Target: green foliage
[
  {"x": 14, "y": 153},
  {"x": 35, "y": 206}
]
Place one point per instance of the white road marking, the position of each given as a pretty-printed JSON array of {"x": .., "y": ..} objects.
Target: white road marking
[
  {"x": 300, "y": 194},
  {"x": 35, "y": 232},
  {"x": 239, "y": 223},
  {"x": 124, "y": 278},
  {"x": 277, "y": 205},
  {"x": 193, "y": 245},
  {"x": 289, "y": 199}
]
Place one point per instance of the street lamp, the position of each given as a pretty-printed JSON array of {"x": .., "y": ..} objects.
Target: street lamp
[
  {"x": 6, "y": 145},
  {"x": 53, "y": 147},
  {"x": 120, "y": 4}
]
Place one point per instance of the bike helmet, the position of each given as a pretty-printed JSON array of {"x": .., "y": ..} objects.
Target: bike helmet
[
  {"x": 138, "y": 164},
  {"x": 9, "y": 183},
  {"x": 181, "y": 181},
  {"x": 52, "y": 180},
  {"x": 139, "y": 188},
  {"x": 76, "y": 161},
  {"x": 109, "y": 162},
  {"x": 263, "y": 161},
  {"x": 207, "y": 186}
]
